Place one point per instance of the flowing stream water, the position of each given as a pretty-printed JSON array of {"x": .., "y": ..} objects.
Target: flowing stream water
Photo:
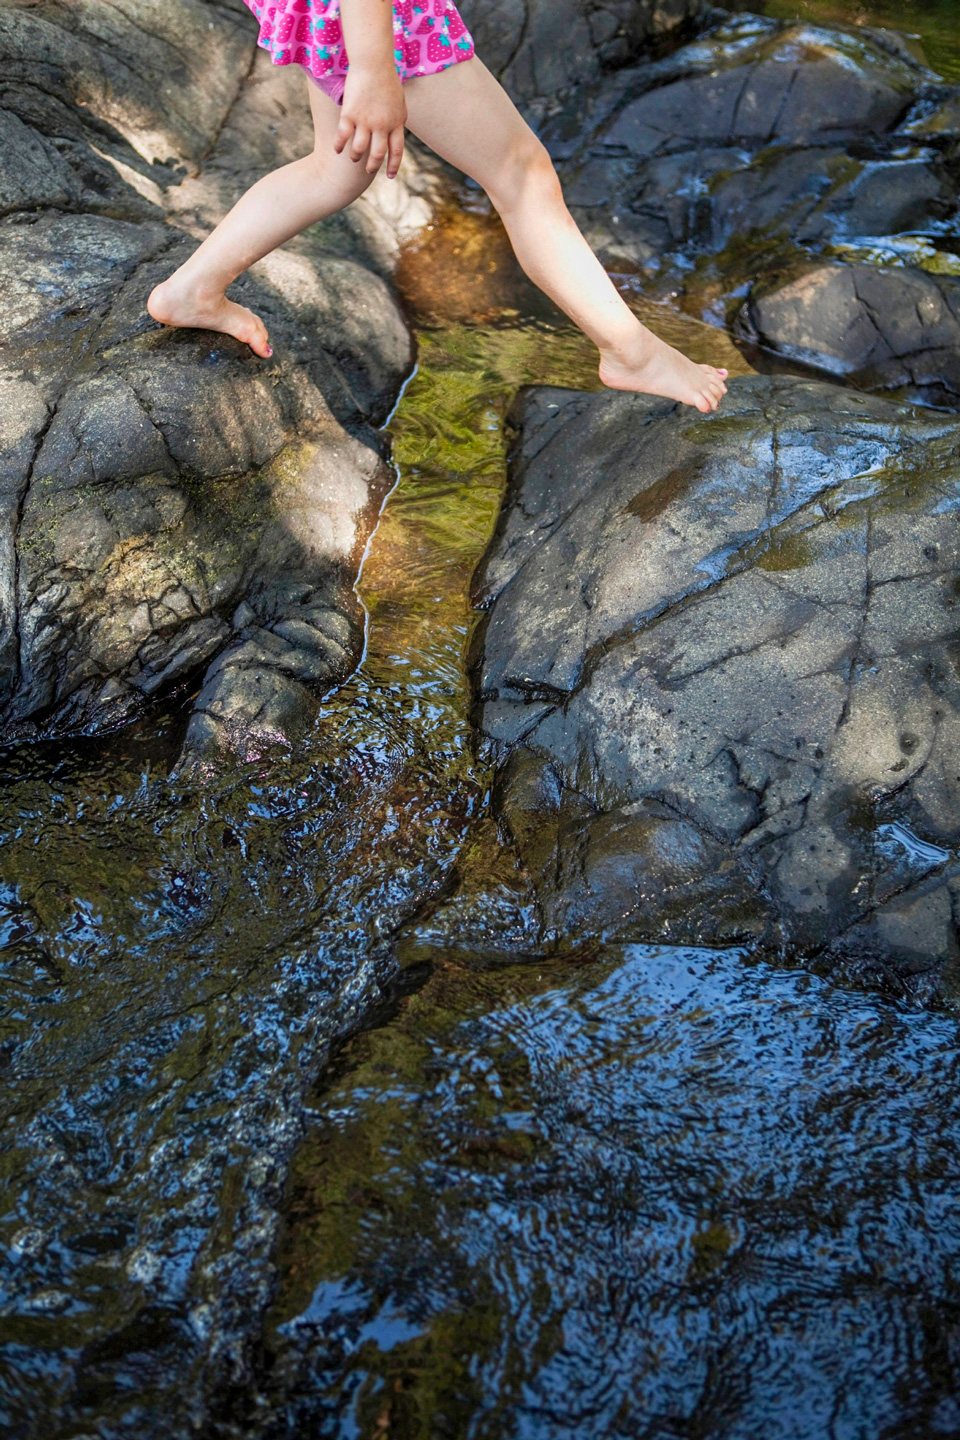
[{"x": 640, "y": 1192}]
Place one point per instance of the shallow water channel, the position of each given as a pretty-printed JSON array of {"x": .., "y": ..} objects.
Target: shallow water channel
[{"x": 635, "y": 1192}]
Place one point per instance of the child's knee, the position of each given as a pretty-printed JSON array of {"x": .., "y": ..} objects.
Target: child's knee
[
  {"x": 527, "y": 173},
  {"x": 330, "y": 171}
]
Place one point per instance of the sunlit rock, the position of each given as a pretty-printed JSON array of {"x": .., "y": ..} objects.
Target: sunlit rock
[
  {"x": 884, "y": 328},
  {"x": 156, "y": 484}
]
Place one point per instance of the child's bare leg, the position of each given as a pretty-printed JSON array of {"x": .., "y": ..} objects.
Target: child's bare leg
[
  {"x": 467, "y": 118},
  {"x": 274, "y": 210}
]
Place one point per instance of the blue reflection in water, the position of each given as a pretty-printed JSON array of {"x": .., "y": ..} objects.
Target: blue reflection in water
[{"x": 737, "y": 1213}]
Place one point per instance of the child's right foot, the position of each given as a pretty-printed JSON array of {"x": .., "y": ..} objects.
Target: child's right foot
[
  {"x": 655, "y": 368},
  {"x": 176, "y": 302}
]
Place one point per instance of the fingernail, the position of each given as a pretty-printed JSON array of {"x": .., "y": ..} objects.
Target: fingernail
[{"x": 269, "y": 350}]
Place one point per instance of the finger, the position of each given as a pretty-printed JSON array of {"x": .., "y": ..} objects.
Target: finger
[
  {"x": 361, "y": 143},
  {"x": 394, "y": 152},
  {"x": 342, "y": 138},
  {"x": 378, "y": 150}
]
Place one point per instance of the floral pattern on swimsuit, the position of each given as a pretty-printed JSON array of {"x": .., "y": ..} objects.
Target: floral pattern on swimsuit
[{"x": 428, "y": 36}]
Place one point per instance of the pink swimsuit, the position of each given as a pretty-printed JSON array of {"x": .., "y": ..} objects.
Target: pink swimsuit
[{"x": 428, "y": 36}]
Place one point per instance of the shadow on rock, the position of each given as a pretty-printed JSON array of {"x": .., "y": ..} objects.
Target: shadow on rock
[{"x": 540, "y": 48}]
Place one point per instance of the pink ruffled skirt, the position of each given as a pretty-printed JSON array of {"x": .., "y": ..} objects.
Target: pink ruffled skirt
[{"x": 428, "y": 36}]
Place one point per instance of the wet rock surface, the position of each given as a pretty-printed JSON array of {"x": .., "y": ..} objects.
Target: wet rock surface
[
  {"x": 728, "y": 165},
  {"x": 719, "y": 674},
  {"x": 168, "y": 499},
  {"x": 177, "y": 960},
  {"x": 884, "y": 329}
]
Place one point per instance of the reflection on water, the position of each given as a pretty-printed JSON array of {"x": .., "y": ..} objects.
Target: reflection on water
[
  {"x": 672, "y": 1193},
  {"x": 932, "y": 25}
]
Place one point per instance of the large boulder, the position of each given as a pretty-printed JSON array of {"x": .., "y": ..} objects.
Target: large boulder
[
  {"x": 885, "y": 328},
  {"x": 725, "y": 167},
  {"x": 718, "y": 672},
  {"x": 541, "y": 48},
  {"x": 169, "y": 502}
]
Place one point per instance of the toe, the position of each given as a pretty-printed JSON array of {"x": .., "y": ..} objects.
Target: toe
[{"x": 257, "y": 338}]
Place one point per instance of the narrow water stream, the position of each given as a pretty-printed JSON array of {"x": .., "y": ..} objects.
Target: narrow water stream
[{"x": 645, "y": 1191}]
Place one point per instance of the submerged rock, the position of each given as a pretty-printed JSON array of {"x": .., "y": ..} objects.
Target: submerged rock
[
  {"x": 169, "y": 499},
  {"x": 719, "y": 671},
  {"x": 763, "y": 143}
]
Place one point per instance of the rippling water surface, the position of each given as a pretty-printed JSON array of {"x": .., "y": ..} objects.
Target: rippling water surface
[{"x": 668, "y": 1192}]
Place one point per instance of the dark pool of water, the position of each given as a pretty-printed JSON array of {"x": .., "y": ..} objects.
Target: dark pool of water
[{"x": 665, "y": 1193}]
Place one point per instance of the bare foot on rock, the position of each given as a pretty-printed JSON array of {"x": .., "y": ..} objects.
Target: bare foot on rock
[
  {"x": 655, "y": 368},
  {"x": 177, "y": 302}
]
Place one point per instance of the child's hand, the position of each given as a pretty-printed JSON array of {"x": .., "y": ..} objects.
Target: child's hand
[{"x": 372, "y": 119}]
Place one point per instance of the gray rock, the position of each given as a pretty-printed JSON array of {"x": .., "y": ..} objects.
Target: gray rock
[
  {"x": 151, "y": 481},
  {"x": 161, "y": 77},
  {"x": 539, "y": 48},
  {"x": 886, "y": 329},
  {"x": 759, "y": 145},
  {"x": 717, "y": 672}
]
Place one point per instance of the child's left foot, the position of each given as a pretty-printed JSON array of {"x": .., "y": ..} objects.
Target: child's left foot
[
  {"x": 657, "y": 369},
  {"x": 177, "y": 302}
]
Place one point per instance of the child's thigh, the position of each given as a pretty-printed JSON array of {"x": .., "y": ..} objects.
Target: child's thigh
[
  {"x": 467, "y": 117},
  {"x": 349, "y": 177}
]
